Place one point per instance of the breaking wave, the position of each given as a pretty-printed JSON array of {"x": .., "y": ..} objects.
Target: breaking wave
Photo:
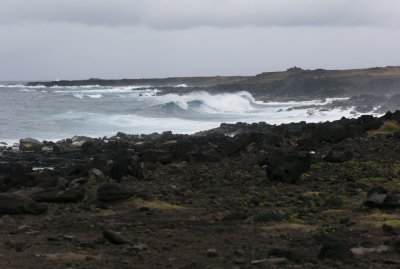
[{"x": 241, "y": 102}]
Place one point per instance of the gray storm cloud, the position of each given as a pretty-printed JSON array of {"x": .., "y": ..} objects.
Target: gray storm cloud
[
  {"x": 79, "y": 39},
  {"x": 181, "y": 14}
]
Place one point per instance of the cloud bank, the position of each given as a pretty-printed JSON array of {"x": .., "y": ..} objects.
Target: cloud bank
[{"x": 184, "y": 14}]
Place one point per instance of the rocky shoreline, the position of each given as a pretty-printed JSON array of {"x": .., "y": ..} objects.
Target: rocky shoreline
[
  {"x": 370, "y": 90},
  {"x": 323, "y": 195}
]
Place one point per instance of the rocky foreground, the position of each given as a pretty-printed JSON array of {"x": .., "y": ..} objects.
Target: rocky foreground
[{"x": 240, "y": 196}]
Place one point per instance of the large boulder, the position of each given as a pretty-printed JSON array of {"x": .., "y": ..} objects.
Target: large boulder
[
  {"x": 266, "y": 216},
  {"x": 287, "y": 166},
  {"x": 15, "y": 175},
  {"x": 11, "y": 203},
  {"x": 335, "y": 250},
  {"x": 335, "y": 132},
  {"x": 59, "y": 196},
  {"x": 99, "y": 162},
  {"x": 369, "y": 122},
  {"x": 154, "y": 155},
  {"x": 30, "y": 144},
  {"x": 112, "y": 192},
  {"x": 336, "y": 156},
  {"x": 124, "y": 164},
  {"x": 335, "y": 246},
  {"x": 378, "y": 197},
  {"x": 78, "y": 141}
]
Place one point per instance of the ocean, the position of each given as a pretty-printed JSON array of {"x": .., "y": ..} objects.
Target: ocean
[{"x": 54, "y": 113}]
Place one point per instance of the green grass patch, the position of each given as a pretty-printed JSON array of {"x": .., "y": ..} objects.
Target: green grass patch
[
  {"x": 162, "y": 205},
  {"x": 393, "y": 223},
  {"x": 294, "y": 219}
]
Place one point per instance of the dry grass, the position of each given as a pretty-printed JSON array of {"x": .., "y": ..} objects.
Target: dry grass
[
  {"x": 70, "y": 257},
  {"x": 284, "y": 226},
  {"x": 378, "y": 219},
  {"x": 389, "y": 126}
]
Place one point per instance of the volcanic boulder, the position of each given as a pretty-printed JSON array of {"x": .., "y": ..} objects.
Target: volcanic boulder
[
  {"x": 11, "y": 203},
  {"x": 335, "y": 156},
  {"x": 378, "y": 197},
  {"x": 30, "y": 144},
  {"x": 287, "y": 166}
]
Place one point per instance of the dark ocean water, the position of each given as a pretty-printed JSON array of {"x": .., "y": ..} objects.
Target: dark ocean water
[{"x": 52, "y": 113}]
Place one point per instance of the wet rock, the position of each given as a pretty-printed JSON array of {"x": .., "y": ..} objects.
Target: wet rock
[
  {"x": 57, "y": 196},
  {"x": 335, "y": 156},
  {"x": 283, "y": 253},
  {"x": 124, "y": 164},
  {"x": 335, "y": 250},
  {"x": 333, "y": 202},
  {"x": 396, "y": 245},
  {"x": 287, "y": 167},
  {"x": 370, "y": 123},
  {"x": 201, "y": 157},
  {"x": 45, "y": 179},
  {"x": 333, "y": 132},
  {"x": 112, "y": 192},
  {"x": 363, "y": 251},
  {"x": 141, "y": 170},
  {"x": 269, "y": 261},
  {"x": 378, "y": 197},
  {"x": 235, "y": 216},
  {"x": 188, "y": 193},
  {"x": 30, "y": 144},
  {"x": 241, "y": 141},
  {"x": 99, "y": 162},
  {"x": 16, "y": 175},
  {"x": 388, "y": 230},
  {"x": 11, "y": 203},
  {"x": 95, "y": 175},
  {"x": 114, "y": 237},
  {"x": 211, "y": 252},
  {"x": 139, "y": 247},
  {"x": 92, "y": 147},
  {"x": 266, "y": 216},
  {"x": 154, "y": 155}
]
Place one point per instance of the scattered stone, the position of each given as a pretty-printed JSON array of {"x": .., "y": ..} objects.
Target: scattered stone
[
  {"x": 388, "y": 230},
  {"x": 235, "y": 216},
  {"x": 266, "y": 216},
  {"x": 378, "y": 197},
  {"x": 99, "y": 162},
  {"x": 240, "y": 260},
  {"x": 269, "y": 261},
  {"x": 112, "y": 192},
  {"x": 363, "y": 251},
  {"x": 335, "y": 250},
  {"x": 283, "y": 253},
  {"x": 139, "y": 247},
  {"x": 11, "y": 203},
  {"x": 335, "y": 156},
  {"x": 97, "y": 175},
  {"x": 333, "y": 202},
  {"x": 211, "y": 252},
  {"x": 114, "y": 237},
  {"x": 57, "y": 196},
  {"x": 188, "y": 193}
]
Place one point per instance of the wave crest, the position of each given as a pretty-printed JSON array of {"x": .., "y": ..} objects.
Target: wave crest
[{"x": 240, "y": 102}]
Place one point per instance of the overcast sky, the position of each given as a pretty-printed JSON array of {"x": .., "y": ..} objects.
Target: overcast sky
[{"x": 79, "y": 39}]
